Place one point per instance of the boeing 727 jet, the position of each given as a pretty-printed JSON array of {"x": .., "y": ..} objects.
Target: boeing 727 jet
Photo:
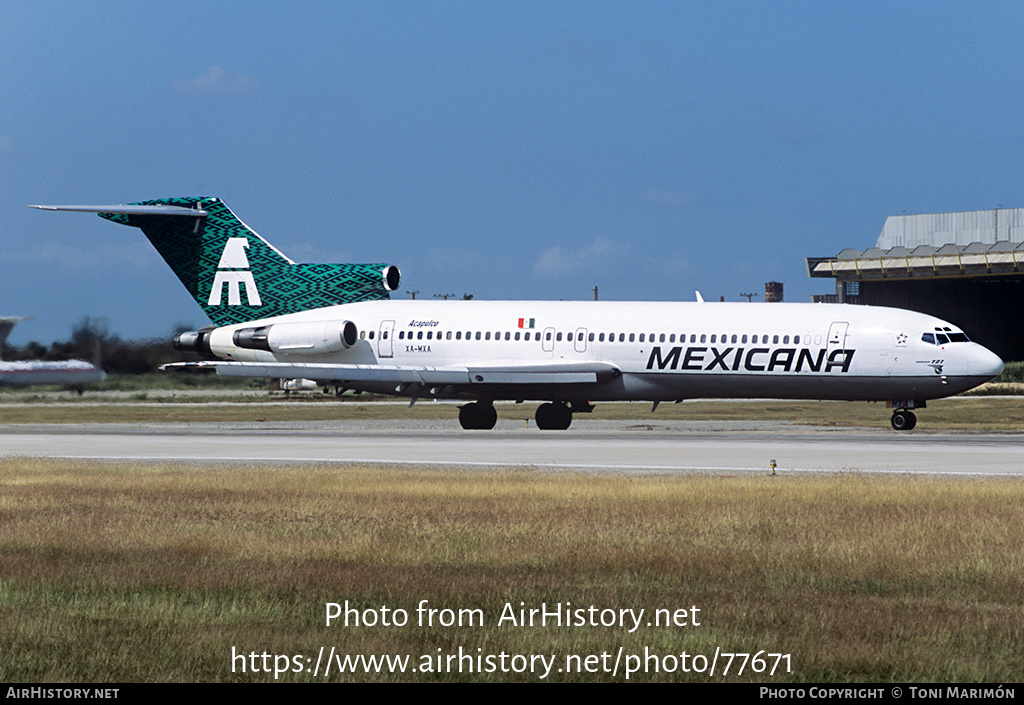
[
  {"x": 336, "y": 324},
  {"x": 71, "y": 373}
]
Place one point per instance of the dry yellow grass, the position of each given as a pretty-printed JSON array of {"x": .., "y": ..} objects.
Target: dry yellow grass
[{"x": 154, "y": 572}]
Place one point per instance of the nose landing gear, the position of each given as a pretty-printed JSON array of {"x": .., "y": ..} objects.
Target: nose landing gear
[{"x": 903, "y": 420}]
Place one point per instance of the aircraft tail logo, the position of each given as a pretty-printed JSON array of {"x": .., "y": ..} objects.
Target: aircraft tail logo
[{"x": 233, "y": 271}]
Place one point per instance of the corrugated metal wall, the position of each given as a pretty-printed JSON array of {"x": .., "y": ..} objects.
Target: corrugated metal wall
[{"x": 938, "y": 229}]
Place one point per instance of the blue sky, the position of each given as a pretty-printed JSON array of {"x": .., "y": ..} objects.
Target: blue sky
[{"x": 520, "y": 150}]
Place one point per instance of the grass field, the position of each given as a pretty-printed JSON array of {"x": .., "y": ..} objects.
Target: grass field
[{"x": 125, "y": 573}]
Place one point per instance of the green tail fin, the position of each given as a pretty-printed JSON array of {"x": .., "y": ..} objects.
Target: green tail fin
[{"x": 236, "y": 275}]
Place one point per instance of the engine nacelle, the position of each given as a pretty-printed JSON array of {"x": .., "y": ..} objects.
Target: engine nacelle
[
  {"x": 314, "y": 338},
  {"x": 197, "y": 341}
]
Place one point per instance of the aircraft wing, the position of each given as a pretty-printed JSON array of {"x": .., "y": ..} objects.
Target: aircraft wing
[{"x": 553, "y": 373}]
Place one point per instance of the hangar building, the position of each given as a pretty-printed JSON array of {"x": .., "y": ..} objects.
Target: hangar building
[{"x": 966, "y": 268}]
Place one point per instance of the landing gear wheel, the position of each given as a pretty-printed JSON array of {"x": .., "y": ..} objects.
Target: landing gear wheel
[
  {"x": 553, "y": 417},
  {"x": 478, "y": 416},
  {"x": 903, "y": 420}
]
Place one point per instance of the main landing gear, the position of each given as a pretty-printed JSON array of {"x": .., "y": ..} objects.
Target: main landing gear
[
  {"x": 552, "y": 416},
  {"x": 480, "y": 415}
]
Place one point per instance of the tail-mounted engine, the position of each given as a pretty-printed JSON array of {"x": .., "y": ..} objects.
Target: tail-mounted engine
[
  {"x": 314, "y": 338},
  {"x": 197, "y": 341}
]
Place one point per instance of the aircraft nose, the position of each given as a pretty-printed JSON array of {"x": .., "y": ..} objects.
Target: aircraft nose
[{"x": 982, "y": 362}]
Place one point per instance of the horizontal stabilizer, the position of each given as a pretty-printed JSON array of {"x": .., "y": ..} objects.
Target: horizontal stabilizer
[{"x": 129, "y": 210}]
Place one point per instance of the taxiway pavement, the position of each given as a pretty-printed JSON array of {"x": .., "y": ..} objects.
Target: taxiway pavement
[{"x": 622, "y": 446}]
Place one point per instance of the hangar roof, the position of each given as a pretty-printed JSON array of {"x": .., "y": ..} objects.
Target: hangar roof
[{"x": 971, "y": 243}]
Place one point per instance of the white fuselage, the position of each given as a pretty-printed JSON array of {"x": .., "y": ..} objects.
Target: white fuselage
[
  {"x": 70, "y": 372},
  {"x": 654, "y": 351}
]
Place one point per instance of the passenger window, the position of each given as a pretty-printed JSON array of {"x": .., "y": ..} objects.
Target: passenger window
[
  {"x": 622, "y": 337},
  {"x": 430, "y": 334},
  {"x": 672, "y": 338},
  {"x": 362, "y": 335},
  {"x": 713, "y": 338},
  {"x": 600, "y": 338},
  {"x": 448, "y": 335},
  {"x": 632, "y": 337},
  {"x": 744, "y": 339},
  {"x": 591, "y": 338},
  {"x": 785, "y": 340},
  {"x": 478, "y": 335},
  {"x": 558, "y": 336},
  {"x": 458, "y": 335},
  {"x": 508, "y": 336},
  {"x": 775, "y": 339},
  {"x": 734, "y": 338},
  {"x": 641, "y": 337},
  {"x": 796, "y": 340},
  {"x": 703, "y": 338}
]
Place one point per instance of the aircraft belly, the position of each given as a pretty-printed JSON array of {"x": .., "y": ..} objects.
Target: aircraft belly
[{"x": 666, "y": 386}]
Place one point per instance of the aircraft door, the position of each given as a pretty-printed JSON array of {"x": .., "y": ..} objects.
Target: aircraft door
[
  {"x": 581, "y": 340},
  {"x": 837, "y": 336},
  {"x": 547, "y": 342},
  {"x": 385, "y": 339}
]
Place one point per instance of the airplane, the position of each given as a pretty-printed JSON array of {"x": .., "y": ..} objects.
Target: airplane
[
  {"x": 75, "y": 373},
  {"x": 337, "y": 325}
]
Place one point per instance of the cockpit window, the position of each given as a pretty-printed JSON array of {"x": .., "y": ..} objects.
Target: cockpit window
[{"x": 944, "y": 338}]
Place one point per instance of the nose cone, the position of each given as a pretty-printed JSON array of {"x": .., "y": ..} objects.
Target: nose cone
[{"x": 982, "y": 362}]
